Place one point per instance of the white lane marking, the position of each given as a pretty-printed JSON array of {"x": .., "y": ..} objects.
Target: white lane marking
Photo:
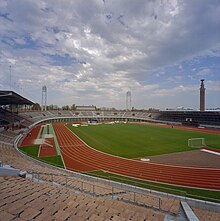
[{"x": 209, "y": 151}]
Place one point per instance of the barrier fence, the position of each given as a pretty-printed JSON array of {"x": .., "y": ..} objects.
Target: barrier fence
[{"x": 113, "y": 191}]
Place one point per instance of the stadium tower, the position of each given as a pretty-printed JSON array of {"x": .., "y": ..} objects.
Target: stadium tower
[
  {"x": 128, "y": 100},
  {"x": 202, "y": 96},
  {"x": 44, "y": 98}
]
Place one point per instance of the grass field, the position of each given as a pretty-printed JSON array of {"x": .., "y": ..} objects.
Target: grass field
[
  {"x": 54, "y": 160},
  {"x": 30, "y": 150},
  {"x": 135, "y": 140},
  {"x": 33, "y": 152}
]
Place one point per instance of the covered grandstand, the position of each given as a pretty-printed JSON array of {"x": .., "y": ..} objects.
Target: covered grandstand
[
  {"x": 12, "y": 98},
  {"x": 10, "y": 104}
]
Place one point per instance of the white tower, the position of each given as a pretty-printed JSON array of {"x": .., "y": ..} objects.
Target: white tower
[
  {"x": 128, "y": 100},
  {"x": 44, "y": 98}
]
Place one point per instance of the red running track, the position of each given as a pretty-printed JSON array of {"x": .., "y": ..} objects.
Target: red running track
[
  {"x": 30, "y": 138},
  {"x": 47, "y": 151},
  {"x": 80, "y": 157}
]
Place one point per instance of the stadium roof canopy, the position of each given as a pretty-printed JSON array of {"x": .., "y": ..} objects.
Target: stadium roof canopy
[{"x": 10, "y": 97}]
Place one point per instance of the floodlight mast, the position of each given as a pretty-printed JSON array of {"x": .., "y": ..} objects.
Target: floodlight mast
[
  {"x": 44, "y": 98},
  {"x": 10, "y": 76}
]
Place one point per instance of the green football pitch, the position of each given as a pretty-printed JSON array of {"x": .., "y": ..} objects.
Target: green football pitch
[{"x": 140, "y": 140}]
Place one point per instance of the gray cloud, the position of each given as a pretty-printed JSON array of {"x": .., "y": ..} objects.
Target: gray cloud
[{"x": 120, "y": 45}]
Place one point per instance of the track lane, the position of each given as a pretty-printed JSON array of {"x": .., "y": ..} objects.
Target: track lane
[{"x": 78, "y": 156}]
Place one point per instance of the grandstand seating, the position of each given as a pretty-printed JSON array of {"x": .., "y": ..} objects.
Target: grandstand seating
[
  {"x": 206, "y": 215},
  {"x": 28, "y": 200},
  {"x": 8, "y": 136},
  {"x": 8, "y": 155},
  {"x": 28, "y": 209},
  {"x": 7, "y": 117},
  {"x": 12, "y": 120},
  {"x": 202, "y": 118},
  {"x": 42, "y": 200}
]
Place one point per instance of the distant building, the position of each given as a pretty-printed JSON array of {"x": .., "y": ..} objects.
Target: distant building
[{"x": 86, "y": 108}]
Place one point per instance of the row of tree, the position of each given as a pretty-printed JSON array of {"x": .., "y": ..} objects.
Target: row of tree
[{"x": 37, "y": 107}]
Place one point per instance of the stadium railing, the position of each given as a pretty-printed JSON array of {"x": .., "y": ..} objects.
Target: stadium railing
[{"x": 98, "y": 189}]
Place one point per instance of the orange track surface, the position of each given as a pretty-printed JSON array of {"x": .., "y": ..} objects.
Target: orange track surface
[
  {"x": 47, "y": 151},
  {"x": 29, "y": 139},
  {"x": 79, "y": 157}
]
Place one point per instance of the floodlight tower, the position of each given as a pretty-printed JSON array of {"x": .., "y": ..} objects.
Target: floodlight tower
[
  {"x": 128, "y": 100},
  {"x": 44, "y": 98},
  {"x": 202, "y": 96},
  {"x": 10, "y": 76}
]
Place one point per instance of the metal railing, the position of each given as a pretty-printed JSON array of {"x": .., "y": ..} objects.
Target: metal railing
[
  {"x": 145, "y": 185},
  {"x": 114, "y": 191}
]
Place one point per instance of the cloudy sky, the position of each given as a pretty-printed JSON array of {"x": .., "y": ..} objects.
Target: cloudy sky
[{"x": 92, "y": 52}]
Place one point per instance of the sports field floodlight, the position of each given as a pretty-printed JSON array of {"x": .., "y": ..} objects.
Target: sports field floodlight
[{"x": 44, "y": 98}]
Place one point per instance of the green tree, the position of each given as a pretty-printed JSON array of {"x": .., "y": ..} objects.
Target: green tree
[
  {"x": 36, "y": 106},
  {"x": 73, "y": 107}
]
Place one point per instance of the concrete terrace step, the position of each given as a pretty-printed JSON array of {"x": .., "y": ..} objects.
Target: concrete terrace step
[
  {"x": 188, "y": 211},
  {"x": 58, "y": 205}
]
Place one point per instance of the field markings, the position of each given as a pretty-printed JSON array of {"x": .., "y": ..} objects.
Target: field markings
[
  {"x": 56, "y": 144},
  {"x": 38, "y": 155},
  {"x": 209, "y": 151},
  {"x": 141, "y": 162},
  {"x": 92, "y": 138}
]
